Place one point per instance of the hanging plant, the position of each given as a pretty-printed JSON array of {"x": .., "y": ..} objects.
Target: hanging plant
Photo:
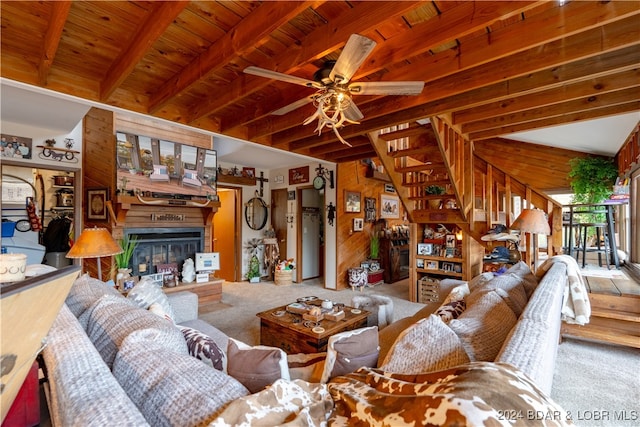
[{"x": 592, "y": 178}]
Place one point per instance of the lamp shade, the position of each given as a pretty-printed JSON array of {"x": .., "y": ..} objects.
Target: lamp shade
[
  {"x": 94, "y": 243},
  {"x": 532, "y": 221}
]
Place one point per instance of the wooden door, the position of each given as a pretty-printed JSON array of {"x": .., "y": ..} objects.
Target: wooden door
[
  {"x": 226, "y": 235},
  {"x": 279, "y": 219}
]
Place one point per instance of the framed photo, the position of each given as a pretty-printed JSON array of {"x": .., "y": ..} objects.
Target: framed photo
[
  {"x": 370, "y": 209},
  {"x": 365, "y": 265},
  {"x": 249, "y": 172},
  {"x": 457, "y": 268},
  {"x": 291, "y": 195},
  {"x": 16, "y": 146},
  {"x": 97, "y": 204},
  {"x": 389, "y": 206},
  {"x": 358, "y": 224},
  {"x": 419, "y": 263},
  {"x": 170, "y": 274},
  {"x": 450, "y": 240},
  {"x": 431, "y": 265},
  {"x": 447, "y": 266},
  {"x": 351, "y": 201},
  {"x": 425, "y": 248}
]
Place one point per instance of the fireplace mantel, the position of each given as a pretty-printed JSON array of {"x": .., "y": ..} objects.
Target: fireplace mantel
[{"x": 147, "y": 212}]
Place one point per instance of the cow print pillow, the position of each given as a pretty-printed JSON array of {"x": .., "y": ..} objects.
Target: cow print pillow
[
  {"x": 451, "y": 310},
  {"x": 204, "y": 348}
]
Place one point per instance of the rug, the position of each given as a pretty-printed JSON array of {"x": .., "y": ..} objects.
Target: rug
[{"x": 604, "y": 273}]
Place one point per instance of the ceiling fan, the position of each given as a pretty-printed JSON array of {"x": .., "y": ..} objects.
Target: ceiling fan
[{"x": 333, "y": 98}]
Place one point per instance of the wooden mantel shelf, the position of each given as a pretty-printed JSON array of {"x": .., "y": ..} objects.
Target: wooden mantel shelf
[
  {"x": 238, "y": 180},
  {"x": 125, "y": 202}
]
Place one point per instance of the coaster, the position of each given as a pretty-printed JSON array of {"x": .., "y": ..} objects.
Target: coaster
[
  {"x": 356, "y": 311},
  {"x": 278, "y": 313},
  {"x": 318, "y": 329}
]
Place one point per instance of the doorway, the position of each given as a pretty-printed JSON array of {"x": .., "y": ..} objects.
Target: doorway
[
  {"x": 311, "y": 232},
  {"x": 225, "y": 238}
]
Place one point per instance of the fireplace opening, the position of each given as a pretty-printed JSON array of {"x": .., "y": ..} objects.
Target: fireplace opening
[{"x": 158, "y": 246}]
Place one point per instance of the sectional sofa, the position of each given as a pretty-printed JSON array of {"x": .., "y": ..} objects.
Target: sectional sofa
[{"x": 485, "y": 353}]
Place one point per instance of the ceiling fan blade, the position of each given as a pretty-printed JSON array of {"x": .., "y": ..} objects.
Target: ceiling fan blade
[
  {"x": 353, "y": 55},
  {"x": 293, "y": 106},
  {"x": 353, "y": 113},
  {"x": 261, "y": 72},
  {"x": 387, "y": 88}
]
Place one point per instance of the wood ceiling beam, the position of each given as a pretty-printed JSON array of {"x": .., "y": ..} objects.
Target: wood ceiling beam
[
  {"x": 458, "y": 21},
  {"x": 559, "y": 109},
  {"x": 148, "y": 33},
  {"x": 619, "y": 34},
  {"x": 595, "y": 113},
  {"x": 59, "y": 14},
  {"x": 599, "y": 85},
  {"x": 250, "y": 33},
  {"x": 318, "y": 43}
]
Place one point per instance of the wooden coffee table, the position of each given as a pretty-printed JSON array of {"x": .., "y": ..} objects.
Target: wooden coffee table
[{"x": 287, "y": 330}]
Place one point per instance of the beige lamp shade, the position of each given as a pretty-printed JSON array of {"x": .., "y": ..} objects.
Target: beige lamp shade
[
  {"x": 532, "y": 221},
  {"x": 94, "y": 243}
]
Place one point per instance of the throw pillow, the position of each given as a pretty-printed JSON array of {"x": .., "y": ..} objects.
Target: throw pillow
[
  {"x": 350, "y": 350},
  {"x": 306, "y": 367},
  {"x": 202, "y": 347},
  {"x": 256, "y": 367},
  {"x": 158, "y": 309},
  {"x": 172, "y": 389},
  {"x": 458, "y": 293},
  {"x": 428, "y": 345},
  {"x": 112, "y": 319},
  {"x": 85, "y": 291},
  {"x": 146, "y": 292},
  {"x": 451, "y": 310},
  {"x": 529, "y": 280},
  {"x": 484, "y": 326},
  {"x": 509, "y": 287}
]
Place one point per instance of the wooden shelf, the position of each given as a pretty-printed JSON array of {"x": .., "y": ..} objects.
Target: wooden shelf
[
  {"x": 133, "y": 200},
  {"x": 381, "y": 176},
  {"x": 238, "y": 180}
]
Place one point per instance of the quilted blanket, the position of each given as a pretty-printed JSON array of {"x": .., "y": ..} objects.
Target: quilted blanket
[{"x": 576, "y": 307}]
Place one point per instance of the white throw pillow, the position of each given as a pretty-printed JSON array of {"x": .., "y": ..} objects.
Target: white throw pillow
[{"x": 146, "y": 292}]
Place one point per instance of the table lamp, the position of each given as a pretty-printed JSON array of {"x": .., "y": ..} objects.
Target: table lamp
[
  {"x": 94, "y": 243},
  {"x": 532, "y": 221}
]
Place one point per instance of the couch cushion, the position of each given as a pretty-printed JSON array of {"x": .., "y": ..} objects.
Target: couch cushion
[
  {"x": 484, "y": 326},
  {"x": 427, "y": 345},
  {"x": 83, "y": 391},
  {"x": 350, "y": 350},
  {"x": 204, "y": 348},
  {"x": 256, "y": 367},
  {"x": 170, "y": 388},
  {"x": 509, "y": 286},
  {"x": 112, "y": 319},
  {"x": 146, "y": 292},
  {"x": 529, "y": 280},
  {"x": 85, "y": 291}
]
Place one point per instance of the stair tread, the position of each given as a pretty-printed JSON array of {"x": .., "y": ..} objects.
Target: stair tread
[
  {"x": 601, "y": 334},
  {"x": 615, "y": 314}
]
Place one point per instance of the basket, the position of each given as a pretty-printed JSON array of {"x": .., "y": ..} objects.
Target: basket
[
  {"x": 283, "y": 277},
  {"x": 12, "y": 267},
  {"x": 428, "y": 290}
]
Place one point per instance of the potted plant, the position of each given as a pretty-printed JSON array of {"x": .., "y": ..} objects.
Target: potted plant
[
  {"x": 128, "y": 245},
  {"x": 374, "y": 245},
  {"x": 592, "y": 178},
  {"x": 435, "y": 190}
]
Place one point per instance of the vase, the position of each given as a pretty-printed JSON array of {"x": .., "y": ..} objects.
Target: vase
[
  {"x": 435, "y": 203},
  {"x": 122, "y": 275}
]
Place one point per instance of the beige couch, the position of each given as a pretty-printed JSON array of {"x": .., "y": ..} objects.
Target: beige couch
[
  {"x": 528, "y": 338},
  {"x": 112, "y": 362}
]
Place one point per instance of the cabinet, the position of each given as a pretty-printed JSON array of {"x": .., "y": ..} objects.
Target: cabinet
[
  {"x": 441, "y": 257},
  {"x": 394, "y": 258}
]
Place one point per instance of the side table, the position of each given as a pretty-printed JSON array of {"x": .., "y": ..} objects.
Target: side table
[{"x": 208, "y": 292}]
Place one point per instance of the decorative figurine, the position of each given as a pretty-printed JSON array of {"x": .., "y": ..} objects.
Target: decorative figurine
[
  {"x": 331, "y": 213},
  {"x": 188, "y": 271}
]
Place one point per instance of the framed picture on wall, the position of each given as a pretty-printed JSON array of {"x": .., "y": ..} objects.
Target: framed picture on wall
[
  {"x": 97, "y": 204},
  {"x": 370, "y": 209},
  {"x": 358, "y": 224},
  {"x": 389, "y": 206},
  {"x": 351, "y": 201}
]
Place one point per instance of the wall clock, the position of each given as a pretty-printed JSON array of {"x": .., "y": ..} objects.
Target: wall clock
[{"x": 318, "y": 182}]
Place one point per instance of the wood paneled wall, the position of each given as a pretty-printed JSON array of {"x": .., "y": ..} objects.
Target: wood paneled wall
[
  {"x": 98, "y": 171},
  {"x": 629, "y": 154},
  {"x": 354, "y": 245},
  {"x": 539, "y": 166}
]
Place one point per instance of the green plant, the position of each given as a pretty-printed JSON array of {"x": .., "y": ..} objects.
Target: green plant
[
  {"x": 374, "y": 245},
  {"x": 592, "y": 178},
  {"x": 435, "y": 190},
  {"x": 128, "y": 245}
]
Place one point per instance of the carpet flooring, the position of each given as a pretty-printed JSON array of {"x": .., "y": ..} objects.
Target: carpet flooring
[{"x": 598, "y": 384}]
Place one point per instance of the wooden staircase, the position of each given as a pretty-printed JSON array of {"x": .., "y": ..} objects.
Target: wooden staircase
[{"x": 614, "y": 319}]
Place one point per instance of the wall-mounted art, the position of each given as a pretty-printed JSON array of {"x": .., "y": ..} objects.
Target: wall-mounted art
[
  {"x": 351, "y": 201},
  {"x": 389, "y": 206},
  {"x": 15, "y": 146}
]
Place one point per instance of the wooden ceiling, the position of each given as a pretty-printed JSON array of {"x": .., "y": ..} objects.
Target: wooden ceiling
[{"x": 491, "y": 67}]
